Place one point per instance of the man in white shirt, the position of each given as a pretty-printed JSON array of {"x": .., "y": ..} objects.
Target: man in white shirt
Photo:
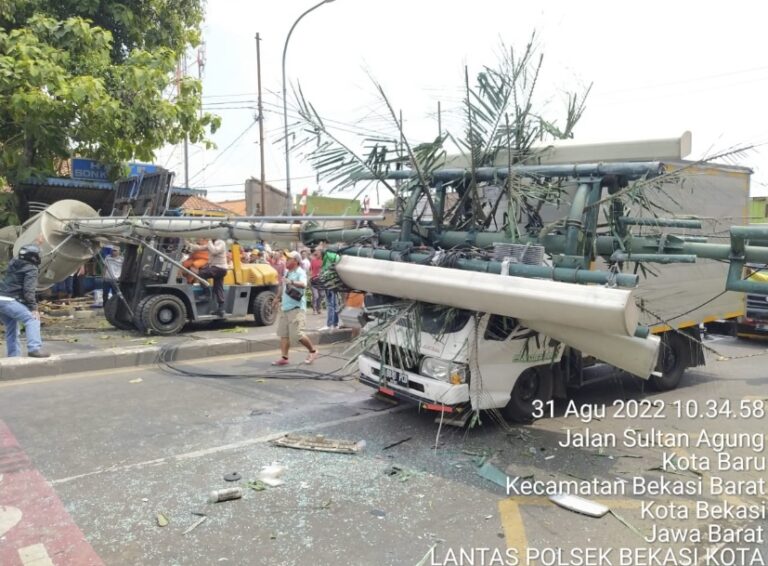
[{"x": 113, "y": 267}]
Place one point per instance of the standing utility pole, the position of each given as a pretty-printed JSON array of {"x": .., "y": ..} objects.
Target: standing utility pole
[
  {"x": 288, "y": 199},
  {"x": 261, "y": 126},
  {"x": 186, "y": 136}
]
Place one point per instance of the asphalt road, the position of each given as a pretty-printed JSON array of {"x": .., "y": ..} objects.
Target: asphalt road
[{"x": 91, "y": 464}]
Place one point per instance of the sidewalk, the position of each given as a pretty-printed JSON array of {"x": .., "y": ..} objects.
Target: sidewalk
[{"x": 94, "y": 348}]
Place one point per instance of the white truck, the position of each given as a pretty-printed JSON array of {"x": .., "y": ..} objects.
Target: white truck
[{"x": 456, "y": 361}]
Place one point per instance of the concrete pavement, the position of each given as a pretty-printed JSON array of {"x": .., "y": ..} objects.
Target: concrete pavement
[{"x": 97, "y": 346}]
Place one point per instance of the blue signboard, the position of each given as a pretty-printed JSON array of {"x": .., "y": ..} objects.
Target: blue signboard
[
  {"x": 88, "y": 169},
  {"x": 92, "y": 170},
  {"x": 139, "y": 168}
]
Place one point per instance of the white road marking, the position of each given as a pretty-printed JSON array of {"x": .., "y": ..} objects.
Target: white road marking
[
  {"x": 35, "y": 555},
  {"x": 9, "y": 518},
  {"x": 231, "y": 446}
]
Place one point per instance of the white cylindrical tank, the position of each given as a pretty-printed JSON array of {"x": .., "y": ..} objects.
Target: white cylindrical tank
[
  {"x": 637, "y": 356},
  {"x": 62, "y": 254},
  {"x": 600, "y": 309},
  {"x": 177, "y": 227}
]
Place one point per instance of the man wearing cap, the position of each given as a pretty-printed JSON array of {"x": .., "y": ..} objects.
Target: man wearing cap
[
  {"x": 293, "y": 306},
  {"x": 19, "y": 304}
]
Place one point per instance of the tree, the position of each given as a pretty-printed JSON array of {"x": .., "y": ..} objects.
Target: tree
[{"x": 95, "y": 78}]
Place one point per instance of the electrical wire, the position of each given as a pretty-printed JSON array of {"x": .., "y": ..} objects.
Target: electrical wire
[{"x": 164, "y": 363}]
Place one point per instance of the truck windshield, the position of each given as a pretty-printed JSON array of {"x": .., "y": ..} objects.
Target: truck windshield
[{"x": 441, "y": 320}]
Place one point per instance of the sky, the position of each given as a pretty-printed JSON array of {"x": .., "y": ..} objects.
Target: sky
[{"x": 656, "y": 68}]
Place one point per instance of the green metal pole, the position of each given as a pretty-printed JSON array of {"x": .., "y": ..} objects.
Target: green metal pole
[{"x": 564, "y": 274}]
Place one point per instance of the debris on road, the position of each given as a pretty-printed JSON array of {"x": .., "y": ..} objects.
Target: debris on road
[
  {"x": 270, "y": 475},
  {"x": 225, "y": 494},
  {"x": 320, "y": 444},
  {"x": 137, "y": 380},
  {"x": 627, "y": 524},
  {"x": 579, "y": 505},
  {"x": 257, "y": 485},
  {"x": 162, "y": 520},
  {"x": 194, "y": 525},
  {"x": 398, "y": 443},
  {"x": 493, "y": 474},
  {"x": 399, "y": 473},
  {"x": 232, "y": 476},
  {"x": 234, "y": 330},
  {"x": 428, "y": 556}
]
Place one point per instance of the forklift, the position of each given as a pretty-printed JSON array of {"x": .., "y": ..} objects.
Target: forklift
[{"x": 153, "y": 294}]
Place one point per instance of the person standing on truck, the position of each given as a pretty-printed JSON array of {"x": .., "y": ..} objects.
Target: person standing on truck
[
  {"x": 293, "y": 306},
  {"x": 18, "y": 303},
  {"x": 215, "y": 269}
]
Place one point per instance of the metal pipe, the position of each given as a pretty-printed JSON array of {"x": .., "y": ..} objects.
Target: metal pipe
[
  {"x": 337, "y": 235},
  {"x": 563, "y": 274},
  {"x": 233, "y": 218},
  {"x": 573, "y": 222},
  {"x": 655, "y": 258},
  {"x": 629, "y": 170},
  {"x": 665, "y": 222},
  {"x": 179, "y": 228}
]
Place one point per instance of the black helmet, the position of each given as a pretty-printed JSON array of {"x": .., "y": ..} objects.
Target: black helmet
[{"x": 30, "y": 253}]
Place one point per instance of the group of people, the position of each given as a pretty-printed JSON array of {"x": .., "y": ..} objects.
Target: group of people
[
  {"x": 208, "y": 260},
  {"x": 311, "y": 262}
]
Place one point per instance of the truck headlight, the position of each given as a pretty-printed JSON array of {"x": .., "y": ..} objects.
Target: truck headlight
[{"x": 443, "y": 370}]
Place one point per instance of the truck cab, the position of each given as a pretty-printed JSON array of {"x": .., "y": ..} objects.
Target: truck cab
[{"x": 454, "y": 361}]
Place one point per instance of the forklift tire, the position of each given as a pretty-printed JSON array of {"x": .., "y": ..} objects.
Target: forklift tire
[
  {"x": 110, "y": 313},
  {"x": 533, "y": 384},
  {"x": 674, "y": 353},
  {"x": 263, "y": 309},
  {"x": 164, "y": 315}
]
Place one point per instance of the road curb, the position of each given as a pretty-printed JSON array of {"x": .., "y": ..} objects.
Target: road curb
[{"x": 142, "y": 355}]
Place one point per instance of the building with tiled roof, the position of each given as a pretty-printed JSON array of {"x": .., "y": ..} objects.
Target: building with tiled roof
[
  {"x": 199, "y": 206},
  {"x": 236, "y": 207}
]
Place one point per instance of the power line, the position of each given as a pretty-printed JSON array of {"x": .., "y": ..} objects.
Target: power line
[{"x": 222, "y": 152}]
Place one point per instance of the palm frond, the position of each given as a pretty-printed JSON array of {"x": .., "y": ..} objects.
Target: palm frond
[{"x": 333, "y": 160}]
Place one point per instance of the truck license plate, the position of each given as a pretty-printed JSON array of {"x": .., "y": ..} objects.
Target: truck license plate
[{"x": 394, "y": 376}]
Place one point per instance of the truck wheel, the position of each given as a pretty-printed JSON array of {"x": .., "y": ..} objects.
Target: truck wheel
[
  {"x": 110, "y": 313},
  {"x": 673, "y": 359},
  {"x": 162, "y": 314},
  {"x": 533, "y": 383},
  {"x": 263, "y": 309}
]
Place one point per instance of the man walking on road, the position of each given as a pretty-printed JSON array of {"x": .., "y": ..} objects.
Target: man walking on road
[
  {"x": 293, "y": 306},
  {"x": 19, "y": 304}
]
